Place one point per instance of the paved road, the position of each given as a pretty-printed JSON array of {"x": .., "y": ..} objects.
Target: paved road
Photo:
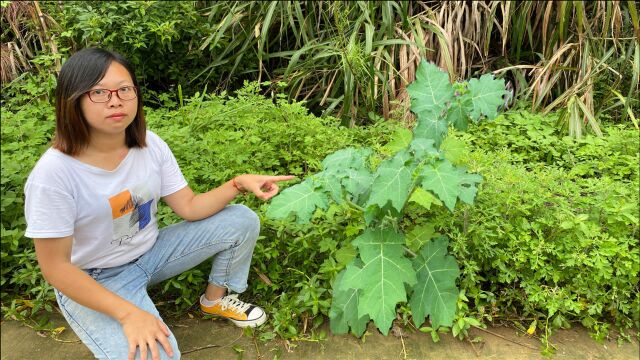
[{"x": 217, "y": 339}]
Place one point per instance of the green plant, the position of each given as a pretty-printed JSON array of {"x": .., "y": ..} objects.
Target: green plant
[
  {"x": 25, "y": 136},
  {"x": 553, "y": 235},
  {"x": 375, "y": 281},
  {"x": 159, "y": 38},
  {"x": 25, "y": 36},
  {"x": 533, "y": 141}
]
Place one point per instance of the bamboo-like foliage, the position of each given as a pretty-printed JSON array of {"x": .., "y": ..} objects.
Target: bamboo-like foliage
[
  {"x": 355, "y": 58},
  {"x": 359, "y": 56}
]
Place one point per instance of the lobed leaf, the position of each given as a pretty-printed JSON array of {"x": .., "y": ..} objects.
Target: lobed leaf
[
  {"x": 453, "y": 149},
  {"x": 420, "y": 235},
  {"x": 486, "y": 95},
  {"x": 399, "y": 140},
  {"x": 300, "y": 200},
  {"x": 431, "y": 90},
  {"x": 381, "y": 277},
  {"x": 458, "y": 113},
  {"x": 431, "y": 127},
  {"x": 392, "y": 182},
  {"x": 357, "y": 184},
  {"x": 330, "y": 184},
  {"x": 343, "y": 313},
  {"x": 424, "y": 198},
  {"x": 421, "y": 148},
  {"x": 450, "y": 183},
  {"x": 347, "y": 158},
  {"x": 435, "y": 293},
  {"x": 430, "y": 95}
]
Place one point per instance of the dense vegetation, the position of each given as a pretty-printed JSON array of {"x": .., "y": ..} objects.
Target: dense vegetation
[
  {"x": 552, "y": 239},
  {"x": 353, "y": 59}
]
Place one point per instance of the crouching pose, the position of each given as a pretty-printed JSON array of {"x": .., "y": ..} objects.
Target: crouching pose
[{"x": 91, "y": 203}]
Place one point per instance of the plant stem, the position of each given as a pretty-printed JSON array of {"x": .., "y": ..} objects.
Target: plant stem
[
  {"x": 354, "y": 205},
  {"x": 408, "y": 251}
]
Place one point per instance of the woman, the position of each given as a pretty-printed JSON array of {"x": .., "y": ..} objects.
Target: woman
[{"x": 91, "y": 203}]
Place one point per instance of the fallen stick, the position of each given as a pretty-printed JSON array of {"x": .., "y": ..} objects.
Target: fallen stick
[
  {"x": 474, "y": 348},
  {"x": 200, "y": 348},
  {"x": 211, "y": 346},
  {"x": 507, "y": 339}
]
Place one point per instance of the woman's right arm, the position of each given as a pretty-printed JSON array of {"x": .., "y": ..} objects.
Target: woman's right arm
[{"x": 141, "y": 328}]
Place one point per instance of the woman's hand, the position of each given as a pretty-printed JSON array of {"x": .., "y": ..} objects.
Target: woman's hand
[
  {"x": 263, "y": 186},
  {"x": 142, "y": 329}
]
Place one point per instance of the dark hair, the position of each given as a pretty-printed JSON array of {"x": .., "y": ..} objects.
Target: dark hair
[{"x": 79, "y": 74}]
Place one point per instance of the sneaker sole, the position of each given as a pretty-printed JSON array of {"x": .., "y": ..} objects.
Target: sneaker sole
[
  {"x": 250, "y": 323},
  {"x": 242, "y": 323}
]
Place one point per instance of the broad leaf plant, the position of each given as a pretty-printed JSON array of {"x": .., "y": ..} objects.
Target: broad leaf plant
[{"x": 391, "y": 267}]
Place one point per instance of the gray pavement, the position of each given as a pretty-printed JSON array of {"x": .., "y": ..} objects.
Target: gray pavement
[{"x": 218, "y": 339}]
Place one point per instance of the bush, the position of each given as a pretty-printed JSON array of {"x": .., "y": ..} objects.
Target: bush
[
  {"x": 217, "y": 137},
  {"x": 554, "y": 234},
  {"x": 161, "y": 39},
  {"x": 25, "y": 136},
  {"x": 534, "y": 141},
  {"x": 546, "y": 245}
]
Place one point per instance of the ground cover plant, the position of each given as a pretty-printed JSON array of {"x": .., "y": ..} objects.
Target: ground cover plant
[{"x": 552, "y": 240}]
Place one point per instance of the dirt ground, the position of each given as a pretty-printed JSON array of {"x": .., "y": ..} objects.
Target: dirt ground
[{"x": 218, "y": 339}]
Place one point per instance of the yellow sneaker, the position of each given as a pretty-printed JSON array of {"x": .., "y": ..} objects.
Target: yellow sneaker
[{"x": 240, "y": 313}]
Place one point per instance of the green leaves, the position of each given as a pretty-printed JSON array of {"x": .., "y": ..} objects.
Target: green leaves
[
  {"x": 420, "y": 235},
  {"x": 344, "y": 310},
  {"x": 392, "y": 182},
  {"x": 424, "y": 198},
  {"x": 437, "y": 106},
  {"x": 430, "y": 92},
  {"x": 381, "y": 277},
  {"x": 458, "y": 114},
  {"x": 486, "y": 96},
  {"x": 431, "y": 127},
  {"x": 349, "y": 158},
  {"x": 357, "y": 183},
  {"x": 450, "y": 183},
  {"x": 435, "y": 293},
  {"x": 301, "y": 200}
]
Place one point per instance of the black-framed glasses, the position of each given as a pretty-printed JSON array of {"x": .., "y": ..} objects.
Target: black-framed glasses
[{"x": 104, "y": 95}]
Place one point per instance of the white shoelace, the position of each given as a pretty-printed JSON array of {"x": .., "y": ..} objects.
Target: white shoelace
[{"x": 232, "y": 301}]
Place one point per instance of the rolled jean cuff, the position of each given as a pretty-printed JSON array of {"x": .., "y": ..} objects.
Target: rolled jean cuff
[{"x": 230, "y": 288}]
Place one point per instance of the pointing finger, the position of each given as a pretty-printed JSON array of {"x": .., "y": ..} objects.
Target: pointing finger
[{"x": 282, "y": 178}]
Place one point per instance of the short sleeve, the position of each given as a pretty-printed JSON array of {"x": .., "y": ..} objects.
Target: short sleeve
[
  {"x": 171, "y": 176},
  {"x": 50, "y": 212}
]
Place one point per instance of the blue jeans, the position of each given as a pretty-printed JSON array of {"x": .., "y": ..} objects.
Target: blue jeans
[{"x": 230, "y": 235}]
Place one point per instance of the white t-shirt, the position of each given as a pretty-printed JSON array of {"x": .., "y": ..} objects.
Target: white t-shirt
[{"x": 110, "y": 214}]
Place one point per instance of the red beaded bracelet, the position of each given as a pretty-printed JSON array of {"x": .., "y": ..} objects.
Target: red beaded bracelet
[{"x": 235, "y": 185}]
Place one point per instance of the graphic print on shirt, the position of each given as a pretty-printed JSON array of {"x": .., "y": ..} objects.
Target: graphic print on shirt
[{"x": 131, "y": 212}]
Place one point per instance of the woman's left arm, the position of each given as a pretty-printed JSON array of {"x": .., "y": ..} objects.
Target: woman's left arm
[{"x": 193, "y": 207}]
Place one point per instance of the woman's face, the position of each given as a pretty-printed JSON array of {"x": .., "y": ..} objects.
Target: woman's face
[{"x": 111, "y": 117}]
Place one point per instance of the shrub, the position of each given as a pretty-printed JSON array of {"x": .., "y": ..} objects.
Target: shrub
[
  {"x": 554, "y": 233},
  {"x": 25, "y": 136},
  {"x": 533, "y": 141},
  {"x": 161, "y": 39}
]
